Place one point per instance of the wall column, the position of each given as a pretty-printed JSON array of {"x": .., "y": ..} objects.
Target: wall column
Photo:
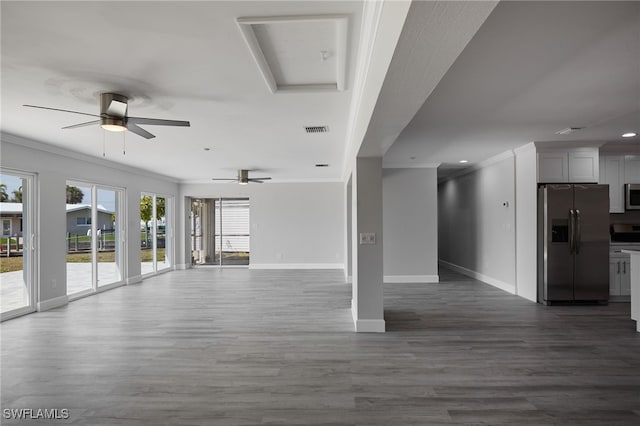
[
  {"x": 348, "y": 262},
  {"x": 367, "y": 254}
]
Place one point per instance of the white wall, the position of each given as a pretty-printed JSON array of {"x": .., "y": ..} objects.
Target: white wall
[
  {"x": 476, "y": 231},
  {"x": 410, "y": 220},
  {"x": 293, "y": 225},
  {"x": 54, "y": 166},
  {"x": 348, "y": 249},
  {"x": 526, "y": 222}
]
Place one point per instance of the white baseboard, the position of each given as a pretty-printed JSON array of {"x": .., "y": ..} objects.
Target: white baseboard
[
  {"x": 369, "y": 326},
  {"x": 366, "y": 325},
  {"x": 135, "y": 279},
  {"x": 110, "y": 286},
  {"x": 296, "y": 266},
  {"x": 56, "y": 302},
  {"x": 411, "y": 279},
  {"x": 509, "y": 288}
]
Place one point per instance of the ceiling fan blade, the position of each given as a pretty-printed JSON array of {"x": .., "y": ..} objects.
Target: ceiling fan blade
[
  {"x": 139, "y": 130},
  {"x": 264, "y": 178},
  {"x": 117, "y": 109},
  {"x": 61, "y": 110},
  {"x": 158, "y": 122},
  {"x": 255, "y": 181},
  {"x": 88, "y": 123}
]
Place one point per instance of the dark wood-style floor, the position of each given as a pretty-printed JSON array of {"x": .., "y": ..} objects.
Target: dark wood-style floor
[{"x": 241, "y": 347}]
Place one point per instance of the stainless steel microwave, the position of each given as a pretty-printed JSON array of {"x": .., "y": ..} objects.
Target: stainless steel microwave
[{"x": 632, "y": 196}]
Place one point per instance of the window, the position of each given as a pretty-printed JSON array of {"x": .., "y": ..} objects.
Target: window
[
  {"x": 6, "y": 227},
  {"x": 83, "y": 221}
]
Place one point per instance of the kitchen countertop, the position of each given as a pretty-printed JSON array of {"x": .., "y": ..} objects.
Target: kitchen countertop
[{"x": 616, "y": 247}]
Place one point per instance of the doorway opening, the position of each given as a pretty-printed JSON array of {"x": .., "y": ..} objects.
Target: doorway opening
[{"x": 220, "y": 233}]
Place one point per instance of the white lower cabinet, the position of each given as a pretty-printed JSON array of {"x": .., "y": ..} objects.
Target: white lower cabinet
[{"x": 619, "y": 275}]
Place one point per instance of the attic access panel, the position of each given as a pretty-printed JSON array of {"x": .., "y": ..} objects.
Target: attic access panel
[{"x": 299, "y": 53}]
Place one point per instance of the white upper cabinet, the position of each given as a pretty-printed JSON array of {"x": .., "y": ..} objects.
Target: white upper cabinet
[
  {"x": 632, "y": 169},
  {"x": 553, "y": 167},
  {"x": 612, "y": 170},
  {"x": 584, "y": 166},
  {"x": 578, "y": 166}
]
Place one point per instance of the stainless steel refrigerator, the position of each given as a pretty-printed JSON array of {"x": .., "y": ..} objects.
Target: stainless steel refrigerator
[{"x": 573, "y": 243}]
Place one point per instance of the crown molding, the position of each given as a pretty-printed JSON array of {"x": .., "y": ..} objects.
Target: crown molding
[{"x": 51, "y": 149}]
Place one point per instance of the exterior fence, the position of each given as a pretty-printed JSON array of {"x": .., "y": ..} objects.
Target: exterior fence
[
  {"x": 77, "y": 243},
  {"x": 11, "y": 245}
]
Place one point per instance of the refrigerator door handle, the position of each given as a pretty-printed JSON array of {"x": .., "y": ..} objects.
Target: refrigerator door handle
[
  {"x": 578, "y": 233},
  {"x": 624, "y": 267},
  {"x": 571, "y": 231}
]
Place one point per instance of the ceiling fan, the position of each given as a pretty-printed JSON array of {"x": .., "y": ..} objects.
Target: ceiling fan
[
  {"x": 243, "y": 178},
  {"x": 113, "y": 117}
]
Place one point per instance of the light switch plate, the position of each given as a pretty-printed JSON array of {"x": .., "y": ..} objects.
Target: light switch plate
[{"x": 367, "y": 238}]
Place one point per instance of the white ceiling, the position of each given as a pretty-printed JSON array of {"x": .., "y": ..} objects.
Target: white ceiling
[
  {"x": 180, "y": 61},
  {"x": 467, "y": 81},
  {"x": 533, "y": 68}
]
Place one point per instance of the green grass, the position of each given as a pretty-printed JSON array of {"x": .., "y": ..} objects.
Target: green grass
[
  {"x": 9, "y": 264},
  {"x": 146, "y": 255}
]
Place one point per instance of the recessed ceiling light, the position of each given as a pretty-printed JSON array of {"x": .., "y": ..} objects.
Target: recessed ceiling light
[
  {"x": 463, "y": 161},
  {"x": 629, "y": 134},
  {"x": 412, "y": 158},
  {"x": 207, "y": 149},
  {"x": 322, "y": 165}
]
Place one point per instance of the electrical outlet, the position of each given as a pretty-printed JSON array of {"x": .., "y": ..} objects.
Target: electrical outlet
[{"x": 367, "y": 238}]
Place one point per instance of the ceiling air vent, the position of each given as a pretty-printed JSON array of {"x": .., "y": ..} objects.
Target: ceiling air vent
[
  {"x": 568, "y": 130},
  {"x": 316, "y": 129}
]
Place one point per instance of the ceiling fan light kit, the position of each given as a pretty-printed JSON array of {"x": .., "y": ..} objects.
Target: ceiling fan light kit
[
  {"x": 113, "y": 105},
  {"x": 113, "y": 117},
  {"x": 243, "y": 178}
]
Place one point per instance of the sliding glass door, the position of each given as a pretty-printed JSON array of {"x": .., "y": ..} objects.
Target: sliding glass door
[
  {"x": 79, "y": 238},
  {"x": 17, "y": 254},
  {"x": 94, "y": 237},
  {"x": 109, "y": 238},
  {"x": 154, "y": 232},
  {"x": 232, "y": 231},
  {"x": 220, "y": 231}
]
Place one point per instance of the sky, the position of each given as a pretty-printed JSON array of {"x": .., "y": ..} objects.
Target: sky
[
  {"x": 106, "y": 197},
  {"x": 12, "y": 183}
]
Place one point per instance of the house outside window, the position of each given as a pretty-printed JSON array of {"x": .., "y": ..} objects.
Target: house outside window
[
  {"x": 83, "y": 221},
  {"x": 6, "y": 226}
]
